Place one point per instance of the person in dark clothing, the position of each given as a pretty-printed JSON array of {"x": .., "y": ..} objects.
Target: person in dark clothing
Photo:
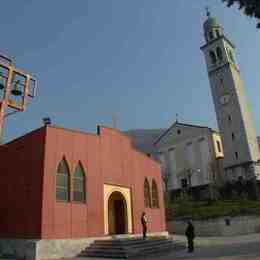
[
  {"x": 190, "y": 234},
  {"x": 144, "y": 224}
]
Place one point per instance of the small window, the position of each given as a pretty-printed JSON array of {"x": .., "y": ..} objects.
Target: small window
[
  {"x": 147, "y": 194},
  {"x": 219, "y": 146},
  {"x": 155, "y": 196},
  {"x": 178, "y": 131},
  {"x": 213, "y": 58},
  {"x": 236, "y": 155},
  {"x": 221, "y": 81},
  {"x": 79, "y": 184},
  {"x": 233, "y": 136},
  {"x": 219, "y": 53},
  {"x": 229, "y": 118},
  {"x": 217, "y": 33},
  {"x": 62, "y": 182},
  {"x": 211, "y": 35}
]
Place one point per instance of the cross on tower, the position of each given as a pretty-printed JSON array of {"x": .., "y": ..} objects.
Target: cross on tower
[{"x": 208, "y": 11}]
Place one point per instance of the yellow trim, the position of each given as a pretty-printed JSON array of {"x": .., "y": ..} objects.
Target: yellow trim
[
  {"x": 216, "y": 137},
  {"x": 126, "y": 193}
]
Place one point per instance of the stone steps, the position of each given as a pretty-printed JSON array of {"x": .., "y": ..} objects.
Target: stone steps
[{"x": 126, "y": 248}]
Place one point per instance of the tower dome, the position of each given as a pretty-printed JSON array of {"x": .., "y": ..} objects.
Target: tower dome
[
  {"x": 210, "y": 23},
  {"x": 212, "y": 28}
]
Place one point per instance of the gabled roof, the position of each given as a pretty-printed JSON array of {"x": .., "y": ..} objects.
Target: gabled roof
[{"x": 176, "y": 123}]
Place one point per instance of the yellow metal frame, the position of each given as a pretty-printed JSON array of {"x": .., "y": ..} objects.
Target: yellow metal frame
[{"x": 28, "y": 78}]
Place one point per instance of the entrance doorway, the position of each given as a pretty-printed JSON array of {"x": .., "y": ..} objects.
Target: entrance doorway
[{"x": 117, "y": 214}]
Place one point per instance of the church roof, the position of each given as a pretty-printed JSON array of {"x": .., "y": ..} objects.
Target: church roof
[{"x": 176, "y": 123}]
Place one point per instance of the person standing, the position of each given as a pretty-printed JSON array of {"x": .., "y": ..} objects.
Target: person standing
[
  {"x": 144, "y": 224},
  {"x": 190, "y": 234}
]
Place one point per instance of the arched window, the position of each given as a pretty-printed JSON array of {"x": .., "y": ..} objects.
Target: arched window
[
  {"x": 155, "y": 196},
  {"x": 217, "y": 33},
  {"x": 211, "y": 35},
  {"x": 147, "y": 194},
  {"x": 219, "y": 53},
  {"x": 212, "y": 56},
  {"x": 231, "y": 56},
  {"x": 63, "y": 181},
  {"x": 79, "y": 194}
]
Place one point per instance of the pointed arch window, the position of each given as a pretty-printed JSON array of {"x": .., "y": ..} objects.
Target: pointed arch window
[
  {"x": 79, "y": 194},
  {"x": 155, "y": 196},
  {"x": 219, "y": 53},
  {"x": 212, "y": 56},
  {"x": 63, "y": 182},
  {"x": 147, "y": 194}
]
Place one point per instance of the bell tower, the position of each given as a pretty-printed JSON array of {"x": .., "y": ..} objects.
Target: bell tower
[{"x": 241, "y": 151}]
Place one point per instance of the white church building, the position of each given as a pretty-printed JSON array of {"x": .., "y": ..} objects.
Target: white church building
[{"x": 191, "y": 157}]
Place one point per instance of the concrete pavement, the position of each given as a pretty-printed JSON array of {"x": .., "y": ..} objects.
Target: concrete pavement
[
  {"x": 218, "y": 241},
  {"x": 245, "y": 247}
]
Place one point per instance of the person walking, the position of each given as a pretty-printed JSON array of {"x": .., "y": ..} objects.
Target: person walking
[
  {"x": 144, "y": 224},
  {"x": 190, "y": 234}
]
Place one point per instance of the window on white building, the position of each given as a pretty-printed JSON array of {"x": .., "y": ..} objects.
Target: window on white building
[
  {"x": 184, "y": 183},
  {"x": 219, "y": 146},
  {"x": 190, "y": 154}
]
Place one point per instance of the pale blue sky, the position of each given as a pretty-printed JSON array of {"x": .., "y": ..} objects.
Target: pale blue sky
[{"x": 139, "y": 58}]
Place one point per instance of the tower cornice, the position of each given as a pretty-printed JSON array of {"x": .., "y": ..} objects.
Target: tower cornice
[
  {"x": 228, "y": 64},
  {"x": 215, "y": 40}
]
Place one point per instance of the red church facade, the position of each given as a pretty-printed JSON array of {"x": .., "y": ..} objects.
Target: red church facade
[{"x": 65, "y": 184}]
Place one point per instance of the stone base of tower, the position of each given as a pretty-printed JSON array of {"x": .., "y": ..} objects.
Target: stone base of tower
[
  {"x": 246, "y": 171},
  {"x": 248, "y": 176}
]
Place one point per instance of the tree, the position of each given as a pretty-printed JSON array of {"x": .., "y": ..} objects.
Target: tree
[
  {"x": 250, "y": 8},
  {"x": 166, "y": 176}
]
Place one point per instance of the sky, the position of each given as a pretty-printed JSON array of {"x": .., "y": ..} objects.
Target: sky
[{"x": 140, "y": 59}]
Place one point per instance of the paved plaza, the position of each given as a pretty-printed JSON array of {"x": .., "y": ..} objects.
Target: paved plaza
[{"x": 212, "y": 248}]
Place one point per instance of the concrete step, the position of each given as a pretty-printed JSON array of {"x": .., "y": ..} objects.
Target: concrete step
[
  {"x": 127, "y": 242},
  {"x": 125, "y": 248},
  {"x": 104, "y": 254},
  {"x": 135, "y": 244}
]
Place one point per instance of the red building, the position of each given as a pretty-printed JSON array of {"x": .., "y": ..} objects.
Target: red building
[{"x": 65, "y": 184}]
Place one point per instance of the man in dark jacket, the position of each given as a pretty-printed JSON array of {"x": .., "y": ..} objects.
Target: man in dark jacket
[
  {"x": 144, "y": 224},
  {"x": 190, "y": 234}
]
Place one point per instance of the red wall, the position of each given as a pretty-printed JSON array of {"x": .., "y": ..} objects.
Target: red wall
[
  {"x": 27, "y": 189},
  {"x": 106, "y": 158},
  {"x": 21, "y": 171}
]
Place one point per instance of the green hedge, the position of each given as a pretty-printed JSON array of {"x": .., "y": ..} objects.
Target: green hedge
[{"x": 211, "y": 209}]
